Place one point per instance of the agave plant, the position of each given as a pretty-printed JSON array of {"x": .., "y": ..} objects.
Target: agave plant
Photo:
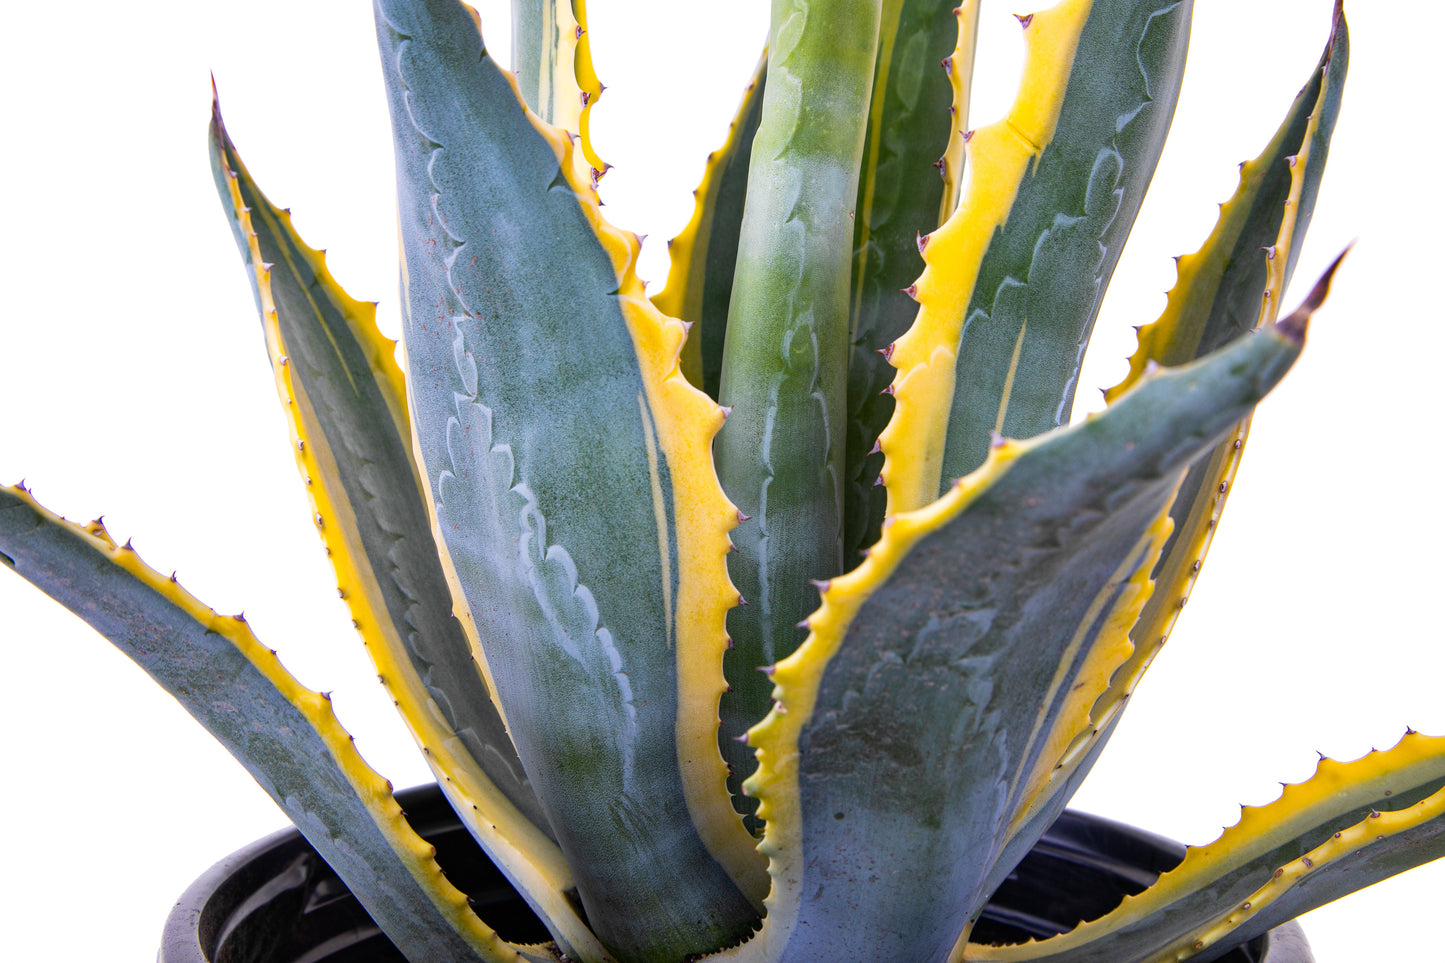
[{"x": 831, "y": 451}]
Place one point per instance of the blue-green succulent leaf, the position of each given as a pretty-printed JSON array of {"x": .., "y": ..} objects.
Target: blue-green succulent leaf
[
  {"x": 916, "y": 119},
  {"x": 942, "y": 678},
  {"x": 703, "y": 257},
  {"x": 780, "y": 455},
  {"x": 1220, "y": 286},
  {"x": 1348, "y": 826},
  {"x": 345, "y": 399},
  {"x": 567, "y": 462},
  {"x": 552, "y": 61},
  {"x": 1014, "y": 280},
  {"x": 285, "y": 735}
]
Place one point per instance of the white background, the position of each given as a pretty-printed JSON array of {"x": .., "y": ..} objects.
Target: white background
[{"x": 135, "y": 385}]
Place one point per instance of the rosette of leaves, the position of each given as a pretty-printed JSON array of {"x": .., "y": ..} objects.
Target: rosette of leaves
[{"x": 777, "y": 617}]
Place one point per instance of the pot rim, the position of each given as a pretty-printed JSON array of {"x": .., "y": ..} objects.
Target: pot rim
[{"x": 283, "y": 861}]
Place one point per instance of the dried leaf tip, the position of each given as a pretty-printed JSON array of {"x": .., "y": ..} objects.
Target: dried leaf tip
[{"x": 1297, "y": 323}]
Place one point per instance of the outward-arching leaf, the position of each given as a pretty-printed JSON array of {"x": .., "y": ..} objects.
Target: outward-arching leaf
[
  {"x": 1222, "y": 286},
  {"x": 1219, "y": 296},
  {"x": 780, "y": 455},
  {"x": 940, "y": 674},
  {"x": 1350, "y": 825},
  {"x": 916, "y": 117},
  {"x": 344, "y": 398},
  {"x": 285, "y": 735},
  {"x": 1014, "y": 279},
  {"x": 704, "y": 255},
  {"x": 567, "y": 461}
]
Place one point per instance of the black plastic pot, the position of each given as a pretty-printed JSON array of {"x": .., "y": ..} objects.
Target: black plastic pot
[{"x": 276, "y": 901}]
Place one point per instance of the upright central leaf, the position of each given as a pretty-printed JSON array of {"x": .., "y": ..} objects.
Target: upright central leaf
[
  {"x": 565, "y": 457},
  {"x": 785, "y": 364}
]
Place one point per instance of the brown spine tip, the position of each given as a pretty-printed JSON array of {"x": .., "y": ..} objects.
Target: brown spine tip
[
  {"x": 911, "y": 291},
  {"x": 1295, "y": 325},
  {"x": 922, "y": 242},
  {"x": 744, "y": 518},
  {"x": 821, "y": 584},
  {"x": 967, "y": 136},
  {"x": 947, "y": 64},
  {"x": 1024, "y": 19},
  {"x": 877, "y": 448}
]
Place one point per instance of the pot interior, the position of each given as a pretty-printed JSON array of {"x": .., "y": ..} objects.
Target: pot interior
[{"x": 278, "y": 902}]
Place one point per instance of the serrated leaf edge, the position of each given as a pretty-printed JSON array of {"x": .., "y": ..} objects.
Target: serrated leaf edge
[
  {"x": 685, "y": 421},
  {"x": 681, "y": 295},
  {"x": 997, "y": 158},
  {"x": 1334, "y": 787},
  {"x": 529, "y": 857},
  {"x": 416, "y": 854}
]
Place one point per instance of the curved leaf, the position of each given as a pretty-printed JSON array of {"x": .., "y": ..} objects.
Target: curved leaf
[
  {"x": 552, "y": 61},
  {"x": 344, "y": 398},
  {"x": 944, "y": 672},
  {"x": 1218, "y": 287},
  {"x": 1014, "y": 279},
  {"x": 285, "y": 735},
  {"x": 915, "y": 124},
  {"x": 702, "y": 258},
  {"x": 567, "y": 462},
  {"x": 1350, "y": 825}
]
